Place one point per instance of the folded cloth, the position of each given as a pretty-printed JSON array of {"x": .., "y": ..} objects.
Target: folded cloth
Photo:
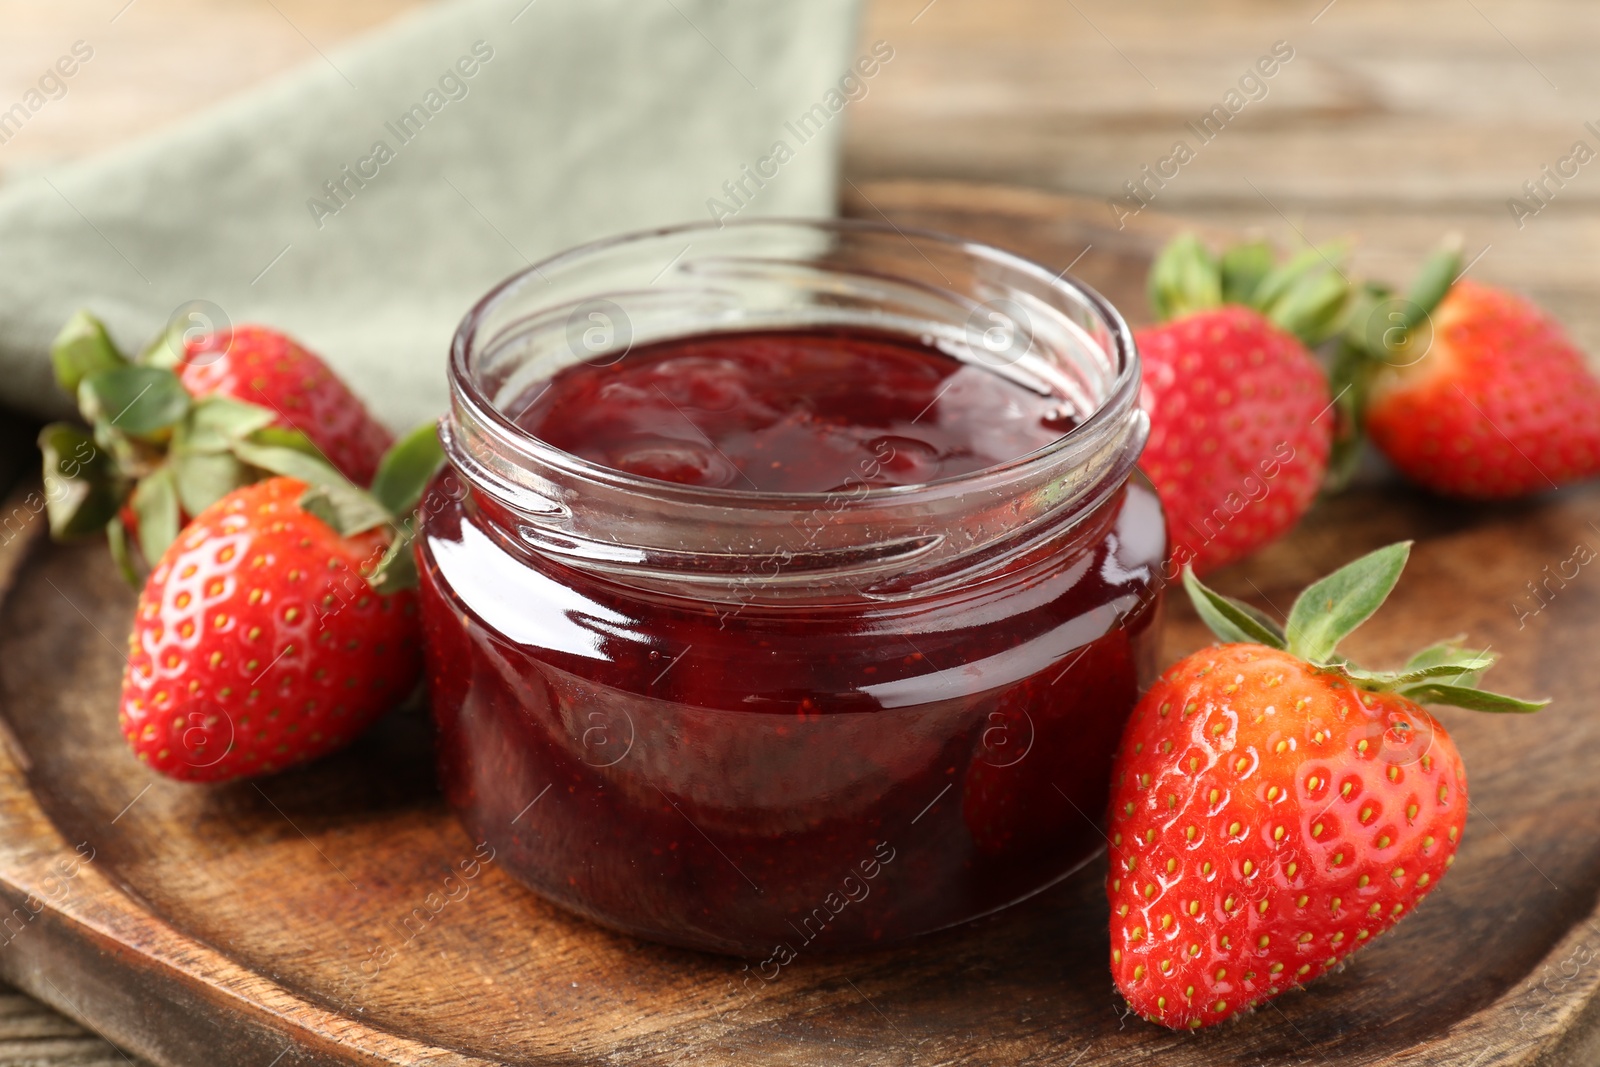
[{"x": 365, "y": 201}]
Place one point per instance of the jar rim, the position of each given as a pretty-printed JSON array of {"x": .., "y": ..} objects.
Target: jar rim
[{"x": 1120, "y": 395}]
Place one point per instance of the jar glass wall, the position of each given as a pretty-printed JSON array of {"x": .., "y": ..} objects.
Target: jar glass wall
[{"x": 777, "y": 723}]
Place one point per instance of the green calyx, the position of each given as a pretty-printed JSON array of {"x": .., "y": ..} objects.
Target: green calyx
[
  {"x": 158, "y": 455},
  {"x": 396, "y": 492},
  {"x": 82, "y": 349},
  {"x": 1382, "y": 329},
  {"x": 1330, "y": 610},
  {"x": 403, "y": 474},
  {"x": 1307, "y": 295},
  {"x": 151, "y": 448},
  {"x": 83, "y": 486}
]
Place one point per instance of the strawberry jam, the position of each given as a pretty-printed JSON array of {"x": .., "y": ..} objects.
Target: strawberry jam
[
  {"x": 786, "y": 639},
  {"x": 793, "y": 412}
]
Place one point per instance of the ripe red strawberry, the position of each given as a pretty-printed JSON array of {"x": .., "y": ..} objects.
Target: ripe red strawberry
[
  {"x": 1240, "y": 421},
  {"x": 258, "y": 643},
  {"x": 1274, "y": 807},
  {"x": 1502, "y": 404},
  {"x": 185, "y": 423},
  {"x": 261, "y": 366}
]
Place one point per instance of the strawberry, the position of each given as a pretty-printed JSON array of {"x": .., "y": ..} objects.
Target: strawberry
[
  {"x": 1500, "y": 404},
  {"x": 1238, "y": 438},
  {"x": 176, "y": 429},
  {"x": 279, "y": 624},
  {"x": 263, "y": 367},
  {"x": 1274, "y": 807}
]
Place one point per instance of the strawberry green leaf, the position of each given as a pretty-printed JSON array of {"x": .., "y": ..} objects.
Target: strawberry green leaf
[
  {"x": 117, "y": 541},
  {"x": 1228, "y": 618},
  {"x": 1284, "y": 277},
  {"x": 1306, "y": 264},
  {"x": 203, "y": 478},
  {"x": 1461, "y": 696},
  {"x": 216, "y": 421},
  {"x": 407, "y": 468},
  {"x": 289, "y": 461},
  {"x": 1348, "y": 379},
  {"x": 1386, "y": 680},
  {"x": 1312, "y": 309},
  {"x": 331, "y": 497},
  {"x": 1372, "y": 340},
  {"x": 165, "y": 349},
  {"x": 1265, "y": 621},
  {"x": 1433, "y": 281},
  {"x": 345, "y": 508},
  {"x": 137, "y": 401},
  {"x": 1243, "y": 267},
  {"x": 398, "y": 568},
  {"x": 1370, "y": 336},
  {"x": 288, "y": 437},
  {"x": 1344, "y": 455},
  {"x": 82, "y": 487},
  {"x": 1365, "y": 300},
  {"x": 1331, "y": 608},
  {"x": 1451, "y": 654},
  {"x": 81, "y": 350},
  {"x": 155, "y": 504},
  {"x": 1184, "y": 278}
]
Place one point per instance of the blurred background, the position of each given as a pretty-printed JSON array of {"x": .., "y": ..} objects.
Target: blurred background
[{"x": 1391, "y": 125}]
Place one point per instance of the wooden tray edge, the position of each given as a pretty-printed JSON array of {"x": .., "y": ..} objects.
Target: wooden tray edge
[{"x": 65, "y": 925}]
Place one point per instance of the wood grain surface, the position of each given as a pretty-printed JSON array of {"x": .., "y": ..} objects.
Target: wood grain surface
[
  {"x": 1394, "y": 123},
  {"x": 258, "y": 920}
]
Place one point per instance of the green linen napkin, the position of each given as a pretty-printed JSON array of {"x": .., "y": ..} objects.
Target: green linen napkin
[{"x": 364, "y": 202}]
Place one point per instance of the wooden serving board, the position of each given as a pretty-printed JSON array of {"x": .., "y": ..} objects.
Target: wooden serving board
[{"x": 307, "y": 918}]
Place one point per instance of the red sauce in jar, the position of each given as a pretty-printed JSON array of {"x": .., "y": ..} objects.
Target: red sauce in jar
[
  {"x": 780, "y": 778},
  {"x": 792, "y": 411}
]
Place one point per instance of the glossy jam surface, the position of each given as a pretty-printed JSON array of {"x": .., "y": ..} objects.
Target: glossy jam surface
[
  {"x": 768, "y": 778},
  {"x": 793, "y": 411}
]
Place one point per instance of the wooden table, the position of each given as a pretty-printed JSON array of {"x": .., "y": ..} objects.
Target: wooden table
[{"x": 1391, "y": 124}]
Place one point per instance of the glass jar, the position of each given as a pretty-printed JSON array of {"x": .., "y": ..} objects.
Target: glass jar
[{"x": 774, "y": 724}]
